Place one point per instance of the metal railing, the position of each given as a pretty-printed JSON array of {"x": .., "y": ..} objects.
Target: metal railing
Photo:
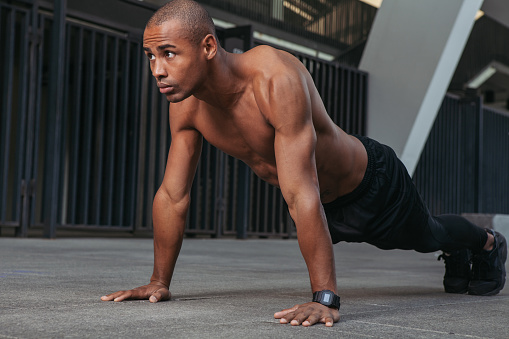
[
  {"x": 339, "y": 23},
  {"x": 98, "y": 163},
  {"x": 84, "y": 141},
  {"x": 15, "y": 123},
  {"x": 100, "y": 128},
  {"x": 464, "y": 165}
]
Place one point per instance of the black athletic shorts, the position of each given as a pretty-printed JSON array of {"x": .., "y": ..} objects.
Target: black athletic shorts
[{"x": 385, "y": 210}]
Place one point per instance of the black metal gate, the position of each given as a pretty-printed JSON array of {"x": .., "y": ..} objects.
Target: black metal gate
[
  {"x": 465, "y": 163},
  {"x": 84, "y": 132},
  {"x": 18, "y": 50},
  {"x": 70, "y": 115}
]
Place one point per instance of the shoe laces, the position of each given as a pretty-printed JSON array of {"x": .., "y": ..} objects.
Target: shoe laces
[
  {"x": 455, "y": 263},
  {"x": 482, "y": 265}
]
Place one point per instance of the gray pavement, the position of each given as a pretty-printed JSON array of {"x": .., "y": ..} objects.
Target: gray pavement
[{"x": 226, "y": 288}]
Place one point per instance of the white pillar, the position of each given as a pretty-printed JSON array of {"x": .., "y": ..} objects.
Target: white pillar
[{"x": 411, "y": 54}]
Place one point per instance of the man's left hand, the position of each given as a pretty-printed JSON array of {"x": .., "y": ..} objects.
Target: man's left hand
[{"x": 308, "y": 314}]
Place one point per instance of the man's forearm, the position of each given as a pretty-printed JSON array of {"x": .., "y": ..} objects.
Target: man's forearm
[
  {"x": 169, "y": 223},
  {"x": 316, "y": 247}
]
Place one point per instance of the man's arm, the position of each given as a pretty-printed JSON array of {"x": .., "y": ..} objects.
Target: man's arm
[
  {"x": 289, "y": 110},
  {"x": 169, "y": 211}
]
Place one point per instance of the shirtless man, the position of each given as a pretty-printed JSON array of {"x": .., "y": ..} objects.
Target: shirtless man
[{"x": 262, "y": 107}]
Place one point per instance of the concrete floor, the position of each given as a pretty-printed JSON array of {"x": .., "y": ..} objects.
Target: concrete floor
[{"x": 226, "y": 288}]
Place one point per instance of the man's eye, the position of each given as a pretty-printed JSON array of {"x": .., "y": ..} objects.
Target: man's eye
[
  {"x": 170, "y": 54},
  {"x": 151, "y": 56}
]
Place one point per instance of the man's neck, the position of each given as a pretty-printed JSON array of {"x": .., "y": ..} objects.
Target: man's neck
[{"x": 222, "y": 85}]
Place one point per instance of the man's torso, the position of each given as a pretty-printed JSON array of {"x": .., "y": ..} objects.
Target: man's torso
[{"x": 243, "y": 130}]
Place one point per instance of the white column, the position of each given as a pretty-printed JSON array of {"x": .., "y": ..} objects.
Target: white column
[{"x": 411, "y": 55}]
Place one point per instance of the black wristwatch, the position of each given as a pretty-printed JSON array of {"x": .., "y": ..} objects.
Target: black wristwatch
[{"x": 327, "y": 298}]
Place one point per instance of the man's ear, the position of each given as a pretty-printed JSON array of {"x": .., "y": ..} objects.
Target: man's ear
[{"x": 210, "y": 46}]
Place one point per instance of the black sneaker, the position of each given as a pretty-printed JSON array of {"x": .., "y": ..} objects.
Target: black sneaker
[
  {"x": 457, "y": 271},
  {"x": 488, "y": 268}
]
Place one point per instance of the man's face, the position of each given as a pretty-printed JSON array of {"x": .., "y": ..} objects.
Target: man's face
[{"x": 178, "y": 65}]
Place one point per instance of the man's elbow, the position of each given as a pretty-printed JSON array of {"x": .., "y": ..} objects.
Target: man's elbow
[
  {"x": 304, "y": 204},
  {"x": 164, "y": 200}
]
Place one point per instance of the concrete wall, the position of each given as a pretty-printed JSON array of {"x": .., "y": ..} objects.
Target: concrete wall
[{"x": 411, "y": 55}]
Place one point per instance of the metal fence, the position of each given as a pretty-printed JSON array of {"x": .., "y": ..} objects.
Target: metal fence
[
  {"x": 15, "y": 123},
  {"x": 487, "y": 43},
  {"x": 100, "y": 137},
  {"x": 465, "y": 164},
  {"x": 339, "y": 23},
  {"x": 84, "y": 133},
  {"x": 342, "y": 24}
]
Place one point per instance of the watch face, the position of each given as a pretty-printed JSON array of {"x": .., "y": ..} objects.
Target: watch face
[{"x": 327, "y": 298}]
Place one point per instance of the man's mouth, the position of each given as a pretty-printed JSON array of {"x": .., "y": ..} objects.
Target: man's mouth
[{"x": 164, "y": 88}]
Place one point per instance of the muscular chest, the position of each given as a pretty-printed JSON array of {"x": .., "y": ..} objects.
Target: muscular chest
[{"x": 244, "y": 133}]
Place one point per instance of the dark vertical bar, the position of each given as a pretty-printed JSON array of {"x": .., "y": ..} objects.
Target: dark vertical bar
[
  {"x": 280, "y": 219},
  {"x": 32, "y": 81},
  {"x": 212, "y": 169},
  {"x": 55, "y": 110},
  {"x": 360, "y": 104},
  {"x": 89, "y": 116},
  {"x": 99, "y": 145},
  {"x": 459, "y": 153},
  {"x": 205, "y": 187},
  {"x": 265, "y": 206},
  {"x": 342, "y": 99},
  {"x": 242, "y": 211},
  {"x": 3, "y": 149},
  {"x": 219, "y": 193},
  {"x": 358, "y": 95},
  {"x": 64, "y": 160},
  {"x": 34, "y": 171},
  {"x": 353, "y": 99},
  {"x": 336, "y": 92},
  {"x": 141, "y": 74},
  {"x": 142, "y": 134},
  {"x": 274, "y": 210},
  {"x": 348, "y": 110},
  {"x": 78, "y": 75},
  {"x": 153, "y": 142},
  {"x": 323, "y": 82},
  {"x": 143, "y": 156},
  {"x": 195, "y": 200},
  {"x": 110, "y": 157},
  {"x": 330, "y": 87},
  {"x": 231, "y": 199},
  {"x": 447, "y": 167},
  {"x": 258, "y": 205},
  {"x": 365, "y": 91},
  {"x": 480, "y": 154},
  {"x": 22, "y": 123},
  {"x": 7, "y": 108},
  {"x": 124, "y": 114}
]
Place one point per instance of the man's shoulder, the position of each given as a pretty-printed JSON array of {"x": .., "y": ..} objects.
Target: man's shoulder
[
  {"x": 272, "y": 68},
  {"x": 267, "y": 62}
]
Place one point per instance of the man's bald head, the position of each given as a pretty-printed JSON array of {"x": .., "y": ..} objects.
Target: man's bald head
[{"x": 195, "y": 20}]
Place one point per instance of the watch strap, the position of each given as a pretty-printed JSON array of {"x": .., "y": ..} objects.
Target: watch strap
[{"x": 327, "y": 298}]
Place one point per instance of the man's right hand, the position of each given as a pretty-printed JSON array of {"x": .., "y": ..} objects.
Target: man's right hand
[{"x": 154, "y": 292}]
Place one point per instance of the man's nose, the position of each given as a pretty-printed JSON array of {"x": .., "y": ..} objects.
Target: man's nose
[{"x": 159, "y": 71}]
